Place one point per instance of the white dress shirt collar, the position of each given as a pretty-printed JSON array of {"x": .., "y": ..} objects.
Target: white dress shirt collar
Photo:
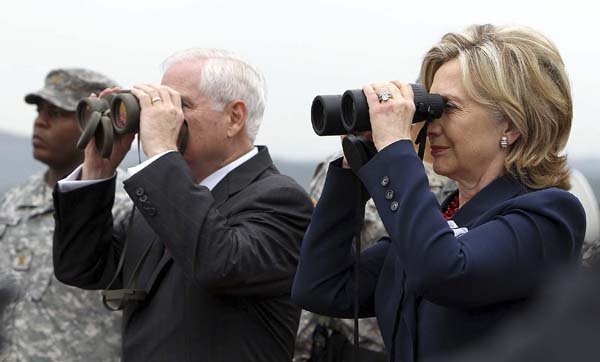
[{"x": 214, "y": 178}]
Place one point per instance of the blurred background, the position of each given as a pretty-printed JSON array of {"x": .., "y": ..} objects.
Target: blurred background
[{"x": 304, "y": 48}]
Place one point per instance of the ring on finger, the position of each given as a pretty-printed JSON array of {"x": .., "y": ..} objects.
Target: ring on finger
[
  {"x": 384, "y": 96},
  {"x": 156, "y": 99}
]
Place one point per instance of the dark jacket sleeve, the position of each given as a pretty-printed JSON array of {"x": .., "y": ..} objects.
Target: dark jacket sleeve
[
  {"x": 324, "y": 281},
  {"x": 86, "y": 247},
  {"x": 252, "y": 252},
  {"x": 501, "y": 259}
]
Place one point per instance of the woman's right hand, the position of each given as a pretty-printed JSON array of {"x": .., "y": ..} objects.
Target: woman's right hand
[{"x": 94, "y": 165}]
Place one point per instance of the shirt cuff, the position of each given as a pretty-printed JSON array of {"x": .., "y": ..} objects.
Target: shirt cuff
[
  {"x": 74, "y": 182},
  {"x": 135, "y": 169}
]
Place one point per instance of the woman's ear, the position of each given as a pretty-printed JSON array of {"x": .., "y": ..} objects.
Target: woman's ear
[
  {"x": 510, "y": 131},
  {"x": 238, "y": 114}
]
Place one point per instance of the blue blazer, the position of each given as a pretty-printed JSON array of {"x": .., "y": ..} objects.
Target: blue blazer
[{"x": 433, "y": 287}]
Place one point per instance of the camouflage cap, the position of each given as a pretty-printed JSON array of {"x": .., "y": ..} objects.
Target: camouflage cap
[{"x": 65, "y": 87}]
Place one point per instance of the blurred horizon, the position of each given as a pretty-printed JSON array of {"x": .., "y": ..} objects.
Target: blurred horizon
[
  {"x": 17, "y": 151},
  {"x": 19, "y": 163}
]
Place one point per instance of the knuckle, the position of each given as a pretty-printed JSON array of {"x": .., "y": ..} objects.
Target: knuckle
[{"x": 406, "y": 105}]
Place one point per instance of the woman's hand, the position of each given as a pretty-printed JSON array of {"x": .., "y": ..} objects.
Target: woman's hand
[
  {"x": 94, "y": 165},
  {"x": 391, "y": 119}
]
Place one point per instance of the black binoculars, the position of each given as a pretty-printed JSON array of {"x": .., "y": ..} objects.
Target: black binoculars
[
  {"x": 349, "y": 113},
  {"x": 101, "y": 118}
]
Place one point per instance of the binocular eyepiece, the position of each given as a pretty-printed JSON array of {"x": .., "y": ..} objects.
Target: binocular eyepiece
[
  {"x": 101, "y": 118},
  {"x": 348, "y": 113}
]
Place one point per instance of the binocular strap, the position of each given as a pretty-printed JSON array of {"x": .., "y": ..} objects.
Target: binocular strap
[
  {"x": 422, "y": 137},
  {"x": 360, "y": 216},
  {"x": 122, "y": 296}
]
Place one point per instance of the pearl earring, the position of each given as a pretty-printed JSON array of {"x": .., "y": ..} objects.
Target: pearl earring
[{"x": 504, "y": 142}]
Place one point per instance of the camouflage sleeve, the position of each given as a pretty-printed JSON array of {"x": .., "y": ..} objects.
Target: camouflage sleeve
[
  {"x": 318, "y": 180},
  {"x": 8, "y": 200},
  {"x": 370, "y": 336},
  {"x": 122, "y": 206},
  {"x": 591, "y": 254},
  {"x": 308, "y": 322}
]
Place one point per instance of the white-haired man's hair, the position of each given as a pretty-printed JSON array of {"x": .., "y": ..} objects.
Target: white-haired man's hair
[{"x": 226, "y": 77}]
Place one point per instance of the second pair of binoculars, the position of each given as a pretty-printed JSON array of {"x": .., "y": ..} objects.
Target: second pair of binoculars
[
  {"x": 102, "y": 118},
  {"x": 348, "y": 113}
]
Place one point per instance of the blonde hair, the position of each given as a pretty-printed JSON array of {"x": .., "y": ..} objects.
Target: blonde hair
[{"x": 518, "y": 74}]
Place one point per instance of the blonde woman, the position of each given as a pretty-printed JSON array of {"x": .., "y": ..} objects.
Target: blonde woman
[{"x": 445, "y": 278}]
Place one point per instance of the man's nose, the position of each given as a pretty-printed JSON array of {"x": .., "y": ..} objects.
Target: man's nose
[{"x": 41, "y": 120}]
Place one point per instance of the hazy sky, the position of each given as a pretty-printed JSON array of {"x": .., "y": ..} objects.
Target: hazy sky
[{"x": 304, "y": 48}]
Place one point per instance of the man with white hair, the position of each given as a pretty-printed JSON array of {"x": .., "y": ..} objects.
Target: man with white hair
[{"x": 205, "y": 271}]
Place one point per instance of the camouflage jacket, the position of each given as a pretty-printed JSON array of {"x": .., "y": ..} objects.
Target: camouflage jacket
[
  {"x": 41, "y": 318},
  {"x": 372, "y": 231}
]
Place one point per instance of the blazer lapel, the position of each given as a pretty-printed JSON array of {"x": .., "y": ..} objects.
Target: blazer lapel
[
  {"x": 242, "y": 176},
  {"x": 498, "y": 191}
]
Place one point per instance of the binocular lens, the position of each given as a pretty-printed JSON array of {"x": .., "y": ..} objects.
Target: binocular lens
[
  {"x": 325, "y": 115},
  {"x": 121, "y": 115},
  {"x": 85, "y": 117},
  {"x": 86, "y": 108},
  {"x": 355, "y": 111},
  {"x": 100, "y": 118},
  {"x": 125, "y": 113}
]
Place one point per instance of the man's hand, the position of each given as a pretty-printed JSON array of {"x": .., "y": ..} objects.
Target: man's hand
[
  {"x": 97, "y": 167},
  {"x": 161, "y": 118}
]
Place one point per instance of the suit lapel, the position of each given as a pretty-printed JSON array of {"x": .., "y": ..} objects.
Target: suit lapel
[
  {"x": 498, "y": 191},
  {"x": 405, "y": 323},
  {"x": 242, "y": 176}
]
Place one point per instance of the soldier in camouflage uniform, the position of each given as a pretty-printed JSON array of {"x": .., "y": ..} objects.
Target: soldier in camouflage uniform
[
  {"x": 372, "y": 231},
  {"x": 581, "y": 188},
  {"x": 42, "y": 319}
]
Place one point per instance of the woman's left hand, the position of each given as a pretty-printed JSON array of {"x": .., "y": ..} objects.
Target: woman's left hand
[{"x": 391, "y": 119}]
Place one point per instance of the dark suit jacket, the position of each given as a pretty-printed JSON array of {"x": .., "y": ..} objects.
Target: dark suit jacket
[
  {"x": 220, "y": 290},
  {"x": 430, "y": 290}
]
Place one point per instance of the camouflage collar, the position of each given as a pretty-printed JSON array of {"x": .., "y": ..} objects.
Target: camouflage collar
[{"x": 36, "y": 193}]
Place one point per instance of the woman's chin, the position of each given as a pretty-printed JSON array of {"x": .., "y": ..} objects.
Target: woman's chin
[{"x": 440, "y": 167}]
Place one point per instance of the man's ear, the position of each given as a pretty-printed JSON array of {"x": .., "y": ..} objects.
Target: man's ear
[
  {"x": 509, "y": 130},
  {"x": 238, "y": 114}
]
